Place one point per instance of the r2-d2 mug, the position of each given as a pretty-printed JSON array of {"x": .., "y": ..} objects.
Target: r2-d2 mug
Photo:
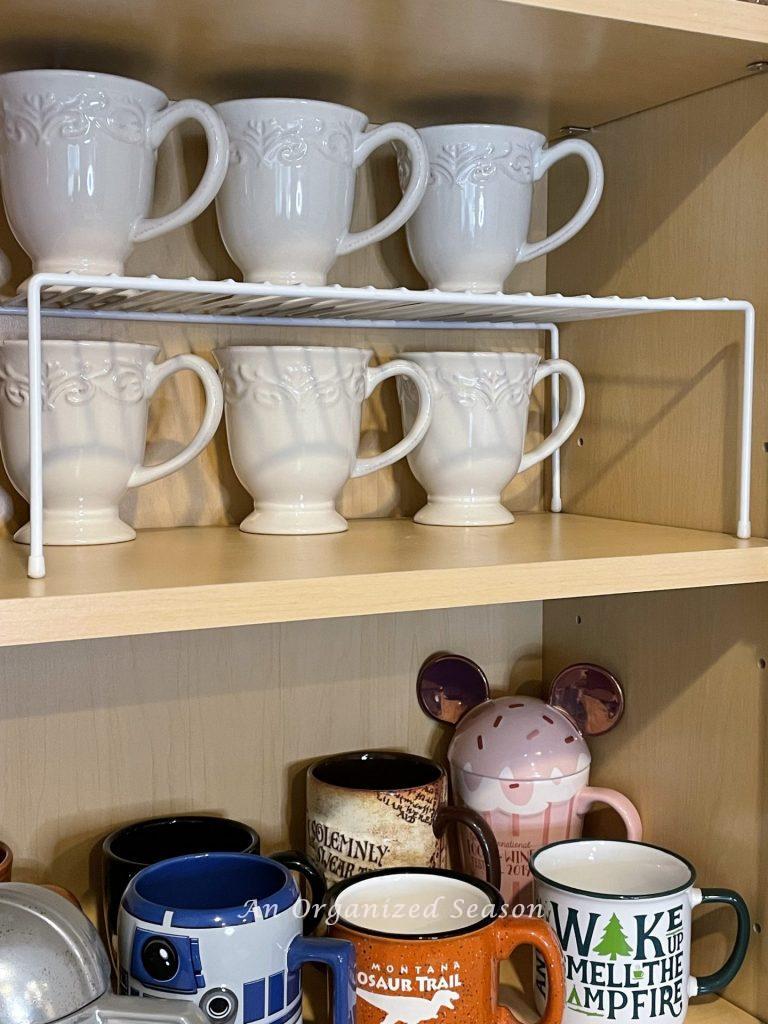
[{"x": 224, "y": 930}]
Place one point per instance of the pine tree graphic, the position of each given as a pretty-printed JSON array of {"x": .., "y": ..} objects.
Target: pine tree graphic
[{"x": 614, "y": 942}]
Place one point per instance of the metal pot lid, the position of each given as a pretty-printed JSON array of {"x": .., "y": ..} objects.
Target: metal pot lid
[{"x": 52, "y": 961}]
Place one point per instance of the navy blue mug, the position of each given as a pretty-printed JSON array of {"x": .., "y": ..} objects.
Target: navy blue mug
[{"x": 224, "y": 930}]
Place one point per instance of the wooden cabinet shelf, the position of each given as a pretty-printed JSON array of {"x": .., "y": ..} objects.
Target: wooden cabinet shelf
[{"x": 204, "y": 577}]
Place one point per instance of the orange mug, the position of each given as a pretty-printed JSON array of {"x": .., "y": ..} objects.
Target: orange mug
[{"x": 429, "y": 944}]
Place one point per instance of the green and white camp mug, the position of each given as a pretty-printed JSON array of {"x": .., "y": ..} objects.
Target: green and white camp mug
[{"x": 622, "y": 912}]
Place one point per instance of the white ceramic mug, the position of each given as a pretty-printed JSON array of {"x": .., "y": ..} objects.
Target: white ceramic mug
[
  {"x": 286, "y": 205},
  {"x": 622, "y": 913},
  {"x": 471, "y": 228},
  {"x": 77, "y": 165},
  {"x": 293, "y": 427},
  {"x": 474, "y": 445},
  {"x": 95, "y": 406}
]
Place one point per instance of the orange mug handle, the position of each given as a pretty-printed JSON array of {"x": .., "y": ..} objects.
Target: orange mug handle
[{"x": 532, "y": 931}]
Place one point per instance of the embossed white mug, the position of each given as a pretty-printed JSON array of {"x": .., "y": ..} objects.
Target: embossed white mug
[
  {"x": 293, "y": 426},
  {"x": 286, "y": 205},
  {"x": 474, "y": 445},
  {"x": 471, "y": 228},
  {"x": 77, "y": 165},
  {"x": 95, "y": 407}
]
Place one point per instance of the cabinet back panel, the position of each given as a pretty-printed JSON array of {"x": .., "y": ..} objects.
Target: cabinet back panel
[
  {"x": 683, "y": 214},
  {"x": 96, "y": 733}
]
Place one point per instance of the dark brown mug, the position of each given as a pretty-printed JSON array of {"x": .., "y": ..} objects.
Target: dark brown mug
[
  {"x": 369, "y": 810},
  {"x": 6, "y": 862}
]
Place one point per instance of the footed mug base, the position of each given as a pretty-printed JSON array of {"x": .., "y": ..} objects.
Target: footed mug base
[
  {"x": 308, "y": 277},
  {"x": 285, "y": 520},
  {"x": 460, "y": 513},
  {"x": 66, "y": 530},
  {"x": 74, "y": 266},
  {"x": 473, "y": 287}
]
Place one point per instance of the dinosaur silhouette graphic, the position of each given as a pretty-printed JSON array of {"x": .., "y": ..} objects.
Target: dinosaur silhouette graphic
[{"x": 409, "y": 1009}]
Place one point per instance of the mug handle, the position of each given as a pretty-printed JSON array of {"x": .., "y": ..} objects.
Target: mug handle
[
  {"x": 571, "y": 416},
  {"x": 480, "y": 829},
  {"x": 375, "y": 376},
  {"x": 339, "y": 956},
  {"x": 295, "y": 860},
  {"x": 129, "y": 1010},
  {"x": 368, "y": 141},
  {"x": 624, "y": 808},
  {"x": 215, "y": 170},
  {"x": 545, "y": 159},
  {"x": 717, "y": 981},
  {"x": 214, "y": 406},
  {"x": 532, "y": 931}
]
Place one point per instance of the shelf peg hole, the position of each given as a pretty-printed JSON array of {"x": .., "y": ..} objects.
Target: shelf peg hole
[
  {"x": 580, "y": 442},
  {"x": 757, "y": 928},
  {"x": 761, "y": 663},
  {"x": 578, "y": 620},
  {"x": 765, "y": 446}
]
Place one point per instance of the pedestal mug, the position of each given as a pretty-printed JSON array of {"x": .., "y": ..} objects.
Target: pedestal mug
[
  {"x": 429, "y": 944},
  {"x": 96, "y": 398},
  {"x": 471, "y": 228},
  {"x": 224, "y": 930},
  {"x": 622, "y": 912},
  {"x": 77, "y": 165},
  {"x": 475, "y": 442},
  {"x": 286, "y": 205},
  {"x": 293, "y": 428},
  {"x": 382, "y": 809}
]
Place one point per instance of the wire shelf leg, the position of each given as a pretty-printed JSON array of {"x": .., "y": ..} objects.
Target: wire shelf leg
[
  {"x": 554, "y": 351},
  {"x": 745, "y": 455},
  {"x": 36, "y": 563}
]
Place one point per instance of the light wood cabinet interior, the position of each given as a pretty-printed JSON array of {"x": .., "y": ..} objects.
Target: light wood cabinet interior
[{"x": 97, "y": 732}]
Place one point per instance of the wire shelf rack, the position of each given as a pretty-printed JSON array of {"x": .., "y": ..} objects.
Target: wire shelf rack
[{"x": 192, "y": 300}]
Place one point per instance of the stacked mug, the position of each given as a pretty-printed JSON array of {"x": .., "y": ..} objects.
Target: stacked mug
[{"x": 77, "y": 159}]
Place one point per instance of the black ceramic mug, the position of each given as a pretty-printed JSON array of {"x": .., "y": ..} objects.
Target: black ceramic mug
[{"x": 129, "y": 849}]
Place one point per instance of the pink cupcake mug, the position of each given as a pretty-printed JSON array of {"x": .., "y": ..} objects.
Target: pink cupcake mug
[{"x": 523, "y": 763}]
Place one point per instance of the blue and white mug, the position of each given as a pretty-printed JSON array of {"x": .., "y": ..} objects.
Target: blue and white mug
[{"x": 224, "y": 930}]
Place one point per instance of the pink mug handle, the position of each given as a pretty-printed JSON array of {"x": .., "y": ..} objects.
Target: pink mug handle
[{"x": 624, "y": 808}]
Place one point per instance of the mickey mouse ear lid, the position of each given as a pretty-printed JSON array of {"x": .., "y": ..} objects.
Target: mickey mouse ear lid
[
  {"x": 590, "y": 696},
  {"x": 449, "y": 685}
]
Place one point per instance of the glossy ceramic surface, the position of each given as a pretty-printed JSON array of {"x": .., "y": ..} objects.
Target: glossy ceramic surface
[
  {"x": 224, "y": 931},
  {"x": 54, "y": 967},
  {"x": 522, "y": 763},
  {"x": 622, "y": 912},
  {"x": 429, "y": 944},
  {"x": 474, "y": 445},
  {"x": 129, "y": 849},
  {"x": 96, "y": 398},
  {"x": 382, "y": 809},
  {"x": 293, "y": 427},
  {"x": 471, "y": 228},
  {"x": 77, "y": 165},
  {"x": 286, "y": 205}
]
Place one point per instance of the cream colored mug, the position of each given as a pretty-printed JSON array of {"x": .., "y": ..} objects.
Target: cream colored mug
[
  {"x": 95, "y": 406},
  {"x": 77, "y": 166}
]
